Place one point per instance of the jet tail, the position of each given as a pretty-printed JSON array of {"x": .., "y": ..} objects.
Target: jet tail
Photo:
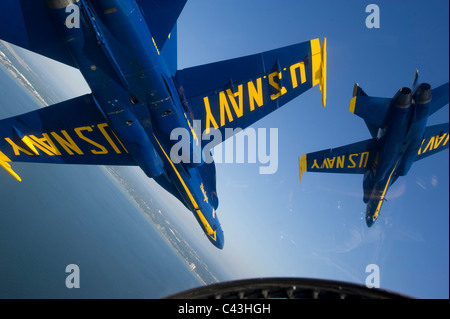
[
  {"x": 439, "y": 95},
  {"x": 373, "y": 110},
  {"x": 415, "y": 82},
  {"x": 161, "y": 17}
]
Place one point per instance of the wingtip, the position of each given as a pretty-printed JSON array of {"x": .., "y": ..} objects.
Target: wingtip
[
  {"x": 323, "y": 80},
  {"x": 319, "y": 66},
  {"x": 302, "y": 165}
]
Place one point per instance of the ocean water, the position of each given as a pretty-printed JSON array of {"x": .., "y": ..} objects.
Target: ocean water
[{"x": 61, "y": 215}]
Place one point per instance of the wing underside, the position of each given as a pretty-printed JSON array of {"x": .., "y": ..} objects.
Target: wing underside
[
  {"x": 439, "y": 98},
  {"x": 355, "y": 158},
  {"x": 236, "y": 93},
  {"x": 373, "y": 110},
  {"x": 435, "y": 140},
  {"x": 71, "y": 132}
]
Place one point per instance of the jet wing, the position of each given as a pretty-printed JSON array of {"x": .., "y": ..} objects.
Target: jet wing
[
  {"x": 355, "y": 158},
  {"x": 236, "y": 93},
  {"x": 71, "y": 132},
  {"x": 27, "y": 24},
  {"x": 435, "y": 140},
  {"x": 439, "y": 98}
]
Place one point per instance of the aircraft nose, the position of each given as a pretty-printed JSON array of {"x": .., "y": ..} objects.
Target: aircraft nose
[
  {"x": 220, "y": 240},
  {"x": 369, "y": 220},
  {"x": 370, "y": 213}
]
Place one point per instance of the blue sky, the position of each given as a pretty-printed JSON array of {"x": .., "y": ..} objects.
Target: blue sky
[{"x": 275, "y": 226}]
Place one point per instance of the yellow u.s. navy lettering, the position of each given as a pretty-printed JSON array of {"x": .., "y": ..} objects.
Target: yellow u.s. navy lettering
[
  {"x": 433, "y": 143},
  {"x": 52, "y": 143},
  {"x": 102, "y": 149},
  {"x": 354, "y": 160},
  {"x": 202, "y": 188},
  {"x": 254, "y": 90},
  {"x": 67, "y": 143}
]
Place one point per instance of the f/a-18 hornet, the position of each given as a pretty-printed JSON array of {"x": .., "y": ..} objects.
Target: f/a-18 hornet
[
  {"x": 126, "y": 51},
  {"x": 400, "y": 137}
]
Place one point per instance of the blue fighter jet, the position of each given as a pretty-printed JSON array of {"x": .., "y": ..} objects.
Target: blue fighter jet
[
  {"x": 399, "y": 138},
  {"x": 127, "y": 52}
]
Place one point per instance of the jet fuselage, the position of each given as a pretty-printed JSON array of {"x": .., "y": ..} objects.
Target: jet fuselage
[
  {"x": 398, "y": 145},
  {"x": 143, "y": 110},
  {"x": 133, "y": 87}
]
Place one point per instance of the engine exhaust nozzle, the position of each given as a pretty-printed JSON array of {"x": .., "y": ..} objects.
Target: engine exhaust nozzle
[
  {"x": 403, "y": 98},
  {"x": 423, "y": 93}
]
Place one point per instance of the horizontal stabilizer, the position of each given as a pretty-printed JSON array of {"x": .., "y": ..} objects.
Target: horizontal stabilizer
[
  {"x": 373, "y": 110},
  {"x": 439, "y": 98},
  {"x": 355, "y": 158},
  {"x": 71, "y": 132},
  {"x": 435, "y": 140},
  {"x": 238, "y": 92},
  {"x": 27, "y": 24}
]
